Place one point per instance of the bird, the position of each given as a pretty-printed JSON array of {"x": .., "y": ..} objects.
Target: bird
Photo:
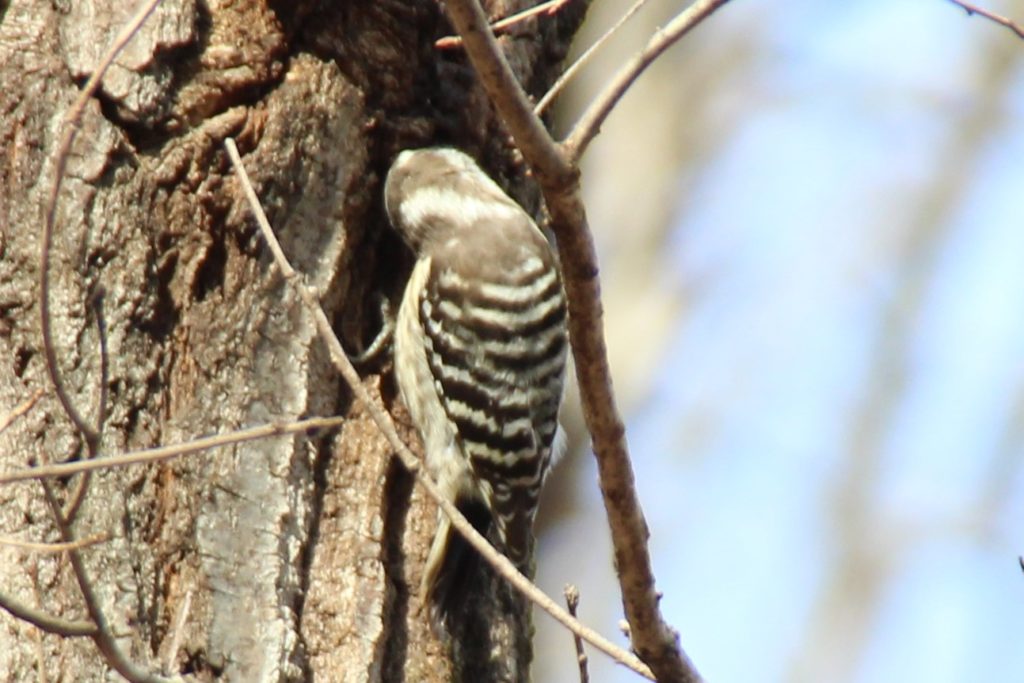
[{"x": 480, "y": 347}]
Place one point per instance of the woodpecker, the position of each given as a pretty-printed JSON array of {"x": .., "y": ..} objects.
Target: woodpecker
[{"x": 480, "y": 353}]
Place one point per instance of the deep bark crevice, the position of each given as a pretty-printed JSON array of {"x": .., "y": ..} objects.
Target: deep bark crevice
[{"x": 397, "y": 497}]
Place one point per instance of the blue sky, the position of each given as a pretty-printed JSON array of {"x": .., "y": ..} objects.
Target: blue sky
[{"x": 831, "y": 456}]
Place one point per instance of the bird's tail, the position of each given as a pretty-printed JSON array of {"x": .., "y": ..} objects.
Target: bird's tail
[{"x": 451, "y": 564}]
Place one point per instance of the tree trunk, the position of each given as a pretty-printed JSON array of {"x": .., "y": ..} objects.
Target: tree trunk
[{"x": 292, "y": 558}]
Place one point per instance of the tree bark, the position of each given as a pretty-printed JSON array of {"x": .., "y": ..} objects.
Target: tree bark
[{"x": 299, "y": 557}]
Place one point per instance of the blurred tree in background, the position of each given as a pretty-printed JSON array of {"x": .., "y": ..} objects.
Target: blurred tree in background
[{"x": 813, "y": 261}]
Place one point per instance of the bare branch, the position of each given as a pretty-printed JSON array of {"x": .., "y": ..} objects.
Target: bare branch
[
  {"x": 572, "y": 601},
  {"x": 507, "y": 95},
  {"x": 991, "y": 16},
  {"x": 47, "y": 622},
  {"x": 549, "y": 8},
  {"x": 70, "y": 131},
  {"x": 53, "y": 548},
  {"x": 167, "y": 452},
  {"x": 77, "y": 497},
  {"x": 569, "y": 73},
  {"x": 103, "y": 637},
  {"x": 655, "y": 642},
  {"x": 590, "y": 122},
  {"x": 26, "y": 405},
  {"x": 501, "y": 564}
]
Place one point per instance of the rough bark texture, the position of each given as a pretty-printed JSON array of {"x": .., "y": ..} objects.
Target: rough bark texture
[{"x": 296, "y": 554}]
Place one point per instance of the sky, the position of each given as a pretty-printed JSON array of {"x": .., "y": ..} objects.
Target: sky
[{"x": 831, "y": 451}]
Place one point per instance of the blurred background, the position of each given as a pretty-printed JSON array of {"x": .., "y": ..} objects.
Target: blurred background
[{"x": 811, "y": 224}]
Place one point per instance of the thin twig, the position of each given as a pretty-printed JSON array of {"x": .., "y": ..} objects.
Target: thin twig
[
  {"x": 53, "y": 548},
  {"x": 45, "y": 621},
  {"x": 507, "y": 95},
  {"x": 74, "y": 502},
  {"x": 972, "y": 9},
  {"x": 501, "y": 564},
  {"x": 103, "y": 636},
  {"x": 68, "y": 134},
  {"x": 500, "y": 26},
  {"x": 572, "y": 601},
  {"x": 77, "y": 497},
  {"x": 569, "y": 73},
  {"x": 590, "y": 122},
  {"x": 557, "y": 174},
  {"x": 26, "y": 405},
  {"x": 166, "y": 452}
]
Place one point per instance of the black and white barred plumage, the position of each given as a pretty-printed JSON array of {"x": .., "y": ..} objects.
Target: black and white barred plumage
[{"x": 480, "y": 351}]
